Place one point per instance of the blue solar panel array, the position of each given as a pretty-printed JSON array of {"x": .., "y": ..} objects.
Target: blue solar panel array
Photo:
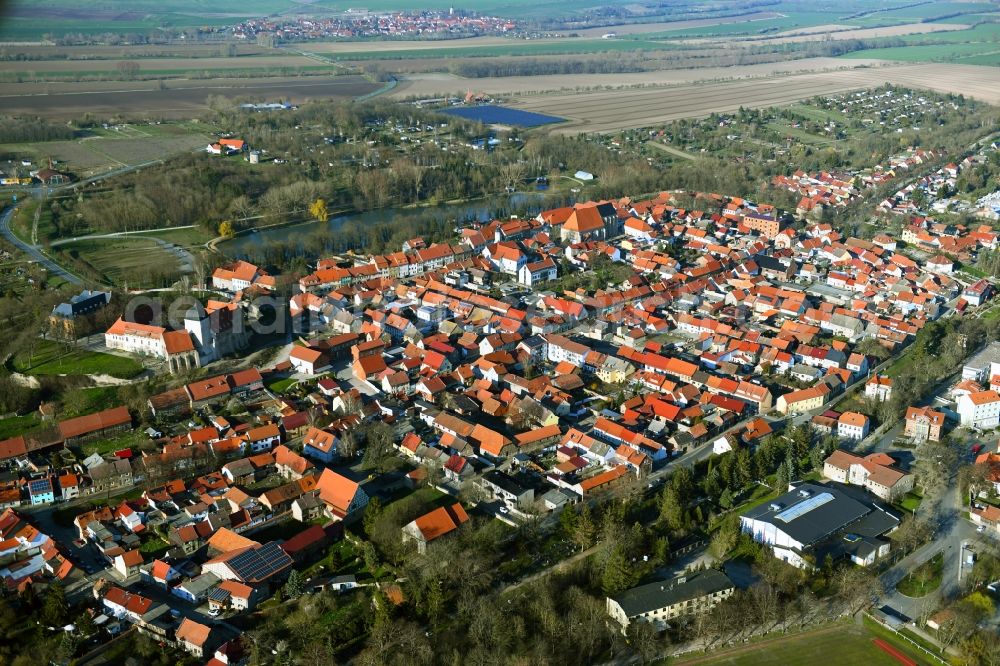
[
  {"x": 500, "y": 115},
  {"x": 260, "y": 563}
]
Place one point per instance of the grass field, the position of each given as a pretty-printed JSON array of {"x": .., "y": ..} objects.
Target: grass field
[
  {"x": 839, "y": 644},
  {"x": 52, "y": 358},
  {"x": 953, "y": 52},
  {"x": 281, "y": 385},
  {"x": 18, "y": 425},
  {"x": 976, "y": 46},
  {"x": 794, "y": 20}
]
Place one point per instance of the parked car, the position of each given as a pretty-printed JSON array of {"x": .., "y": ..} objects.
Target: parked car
[{"x": 976, "y": 448}]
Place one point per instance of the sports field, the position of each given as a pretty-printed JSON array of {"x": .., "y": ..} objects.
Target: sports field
[{"x": 836, "y": 645}]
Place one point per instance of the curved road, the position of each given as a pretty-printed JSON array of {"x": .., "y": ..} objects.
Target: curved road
[{"x": 32, "y": 251}]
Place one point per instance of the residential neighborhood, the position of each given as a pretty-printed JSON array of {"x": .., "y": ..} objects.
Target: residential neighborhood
[{"x": 579, "y": 405}]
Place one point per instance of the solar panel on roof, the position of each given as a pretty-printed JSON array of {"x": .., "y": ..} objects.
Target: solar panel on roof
[
  {"x": 791, "y": 513},
  {"x": 259, "y": 563}
]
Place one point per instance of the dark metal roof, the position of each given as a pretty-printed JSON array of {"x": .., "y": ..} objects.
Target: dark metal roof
[
  {"x": 811, "y": 512},
  {"x": 662, "y": 594}
]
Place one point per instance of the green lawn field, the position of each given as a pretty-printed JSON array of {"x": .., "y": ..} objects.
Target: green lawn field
[
  {"x": 960, "y": 53},
  {"x": 843, "y": 644},
  {"x": 53, "y": 358}
]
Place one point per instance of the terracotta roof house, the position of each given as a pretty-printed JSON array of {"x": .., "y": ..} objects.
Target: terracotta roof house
[
  {"x": 876, "y": 472},
  {"x": 194, "y": 637},
  {"x": 435, "y": 524},
  {"x": 924, "y": 423},
  {"x": 344, "y": 498}
]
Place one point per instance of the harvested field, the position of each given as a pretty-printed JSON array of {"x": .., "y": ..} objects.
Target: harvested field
[
  {"x": 159, "y": 64},
  {"x": 437, "y": 86},
  {"x": 605, "y": 111},
  {"x": 180, "y": 98}
]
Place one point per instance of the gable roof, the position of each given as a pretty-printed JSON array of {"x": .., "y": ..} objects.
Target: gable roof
[
  {"x": 336, "y": 490},
  {"x": 440, "y": 521},
  {"x": 192, "y": 632}
]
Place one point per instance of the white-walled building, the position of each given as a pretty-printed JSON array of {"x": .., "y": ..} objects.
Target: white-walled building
[
  {"x": 979, "y": 410},
  {"x": 853, "y": 426},
  {"x": 807, "y": 523},
  {"x": 661, "y": 601},
  {"x": 876, "y": 472}
]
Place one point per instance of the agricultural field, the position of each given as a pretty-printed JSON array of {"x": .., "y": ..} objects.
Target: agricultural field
[
  {"x": 644, "y": 27},
  {"x": 122, "y": 146},
  {"x": 847, "y": 32},
  {"x": 122, "y": 261},
  {"x": 972, "y": 46},
  {"x": 508, "y": 48},
  {"x": 140, "y": 51},
  {"x": 850, "y": 643},
  {"x": 602, "y": 111},
  {"x": 173, "y": 99},
  {"x": 957, "y": 53},
  {"x": 441, "y": 85},
  {"x": 11, "y": 70}
]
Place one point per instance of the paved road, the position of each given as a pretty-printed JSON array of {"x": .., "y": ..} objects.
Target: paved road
[
  {"x": 117, "y": 234},
  {"x": 32, "y": 251}
]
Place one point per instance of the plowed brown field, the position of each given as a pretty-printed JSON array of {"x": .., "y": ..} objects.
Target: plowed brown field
[{"x": 610, "y": 110}]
